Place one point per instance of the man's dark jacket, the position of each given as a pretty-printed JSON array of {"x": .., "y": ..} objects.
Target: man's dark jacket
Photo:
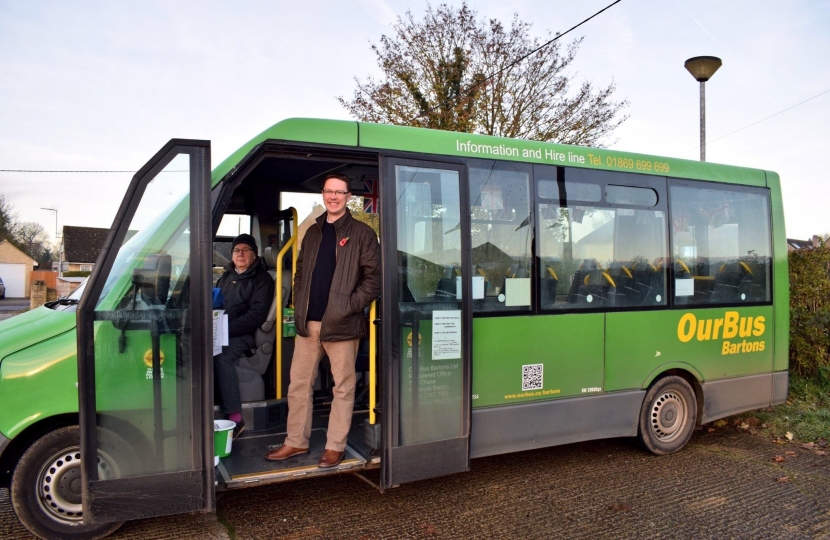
[
  {"x": 247, "y": 297},
  {"x": 355, "y": 284}
]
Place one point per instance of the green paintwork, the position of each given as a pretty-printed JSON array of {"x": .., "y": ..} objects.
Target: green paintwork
[
  {"x": 781, "y": 279},
  {"x": 306, "y": 130},
  {"x": 38, "y": 381},
  {"x": 569, "y": 347},
  {"x": 452, "y": 144},
  {"x": 641, "y": 345},
  {"x": 28, "y": 328}
]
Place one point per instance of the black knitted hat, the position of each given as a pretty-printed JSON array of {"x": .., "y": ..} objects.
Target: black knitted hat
[{"x": 246, "y": 239}]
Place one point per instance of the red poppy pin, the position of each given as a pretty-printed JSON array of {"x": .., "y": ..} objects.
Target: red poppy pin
[{"x": 343, "y": 242}]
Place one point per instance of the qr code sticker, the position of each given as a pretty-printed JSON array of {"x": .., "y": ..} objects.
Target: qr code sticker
[{"x": 532, "y": 377}]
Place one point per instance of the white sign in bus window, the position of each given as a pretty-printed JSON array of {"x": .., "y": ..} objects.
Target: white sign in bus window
[
  {"x": 478, "y": 287},
  {"x": 446, "y": 334},
  {"x": 220, "y": 330},
  {"x": 517, "y": 291},
  {"x": 420, "y": 237},
  {"x": 684, "y": 287}
]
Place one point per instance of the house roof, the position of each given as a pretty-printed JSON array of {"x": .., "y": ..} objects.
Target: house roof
[
  {"x": 82, "y": 244},
  {"x": 792, "y": 243},
  {"x": 8, "y": 248}
]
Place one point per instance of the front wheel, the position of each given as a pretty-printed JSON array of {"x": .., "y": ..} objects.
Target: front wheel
[
  {"x": 668, "y": 415},
  {"x": 46, "y": 487}
]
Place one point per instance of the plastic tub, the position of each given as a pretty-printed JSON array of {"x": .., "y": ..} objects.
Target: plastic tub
[{"x": 222, "y": 437}]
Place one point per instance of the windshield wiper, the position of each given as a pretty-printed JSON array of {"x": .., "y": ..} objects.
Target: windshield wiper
[{"x": 62, "y": 301}]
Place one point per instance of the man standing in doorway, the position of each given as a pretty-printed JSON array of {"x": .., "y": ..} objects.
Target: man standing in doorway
[{"x": 338, "y": 276}]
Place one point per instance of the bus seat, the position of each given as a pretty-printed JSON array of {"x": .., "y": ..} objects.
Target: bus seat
[
  {"x": 595, "y": 288},
  {"x": 578, "y": 278},
  {"x": 731, "y": 278},
  {"x": 550, "y": 279},
  {"x": 623, "y": 279}
]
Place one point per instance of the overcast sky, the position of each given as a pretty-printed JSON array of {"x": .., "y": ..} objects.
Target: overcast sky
[{"x": 102, "y": 85}]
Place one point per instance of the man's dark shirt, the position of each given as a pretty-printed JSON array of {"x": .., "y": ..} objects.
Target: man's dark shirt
[{"x": 323, "y": 273}]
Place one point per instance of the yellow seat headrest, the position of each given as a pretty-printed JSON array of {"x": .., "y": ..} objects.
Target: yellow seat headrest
[{"x": 551, "y": 272}]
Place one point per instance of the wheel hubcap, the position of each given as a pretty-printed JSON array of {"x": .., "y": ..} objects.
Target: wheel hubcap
[
  {"x": 59, "y": 484},
  {"x": 668, "y": 416}
]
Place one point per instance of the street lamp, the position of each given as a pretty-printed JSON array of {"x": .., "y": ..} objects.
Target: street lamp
[
  {"x": 702, "y": 68},
  {"x": 55, "y": 210}
]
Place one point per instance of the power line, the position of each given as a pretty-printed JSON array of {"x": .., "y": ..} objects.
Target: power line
[
  {"x": 508, "y": 66},
  {"x": 767, "y": 118},
  {"x": 51, "y": 171}
]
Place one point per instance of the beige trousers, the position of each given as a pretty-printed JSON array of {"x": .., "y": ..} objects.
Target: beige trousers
[{"x": 308, "y": 351}]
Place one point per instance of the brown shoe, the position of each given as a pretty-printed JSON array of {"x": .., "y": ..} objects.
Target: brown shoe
[
  {"x": 285, "y": 452},
  {"x": 330, "y": 458}
]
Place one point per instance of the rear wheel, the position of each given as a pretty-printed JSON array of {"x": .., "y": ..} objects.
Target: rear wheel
[
  {"x": 668, "y": 415},
  {"x": 46, "y": 487}
]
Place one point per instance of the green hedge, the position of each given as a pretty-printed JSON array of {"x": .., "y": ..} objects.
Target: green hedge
[
  {"x": 77, "y": 273},
  {"x": 810, "y": 312}
]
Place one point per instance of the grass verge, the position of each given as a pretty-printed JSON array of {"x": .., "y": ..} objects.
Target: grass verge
[{"x": 805, "y": 417}]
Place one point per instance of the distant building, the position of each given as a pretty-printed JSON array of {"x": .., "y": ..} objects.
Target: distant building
[
  {"x": 16, "y": 270},
  {"x": 793, "y": 244},
  {"x": 80, "y": 248}
]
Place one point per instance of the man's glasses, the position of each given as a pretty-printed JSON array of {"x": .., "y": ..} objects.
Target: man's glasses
[
  {"x": 243, "y": 250},
  {"x": 339, "y": 193}
]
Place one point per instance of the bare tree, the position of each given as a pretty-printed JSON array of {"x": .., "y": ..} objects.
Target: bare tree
[
  {"x": 455, "y": 72},
  {"x": 8, "y": 219}
]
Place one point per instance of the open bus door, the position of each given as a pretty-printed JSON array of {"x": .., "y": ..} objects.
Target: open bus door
[
  {"x": 427, "y": 320},
  {"x": 144, "y": 348}
]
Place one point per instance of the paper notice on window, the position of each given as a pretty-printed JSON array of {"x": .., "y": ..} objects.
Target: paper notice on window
[
  {"x": 517, "y": 291},
  {"x": 478, "y": 287},
  {"x": 446, "y": 335},
  {"x": 220, "y": 330},
  {"x": 684, "y": 287}
]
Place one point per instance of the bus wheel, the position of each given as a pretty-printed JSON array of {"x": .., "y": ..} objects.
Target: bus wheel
[
  {"x": 46, "y": 487},
  {"x": 668, "y": 416}
]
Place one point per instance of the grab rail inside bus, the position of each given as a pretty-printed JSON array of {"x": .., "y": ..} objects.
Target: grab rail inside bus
[
  {"x": 291, "y": 244},
  {"x": 373, "y": 370}
]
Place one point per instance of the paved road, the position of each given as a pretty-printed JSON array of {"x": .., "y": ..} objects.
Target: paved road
[
  {"x": 723, "y": 485},
  {"x": 10, "y": 307}
]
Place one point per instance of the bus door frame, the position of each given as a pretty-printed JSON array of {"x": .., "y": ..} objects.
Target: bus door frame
[
  {"x": 408, "y": 463},
  {"x": 138, "y": 497}
]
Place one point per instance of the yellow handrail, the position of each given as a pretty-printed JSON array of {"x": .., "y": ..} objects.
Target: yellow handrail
[
  {"x": 278, "y": 292},
  {"x": 373, "y": 371}
]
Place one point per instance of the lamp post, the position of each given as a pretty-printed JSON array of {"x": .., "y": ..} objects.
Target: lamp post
[
  {"x": 702, "y": 68},
  {"x": 55, "y": 210}
]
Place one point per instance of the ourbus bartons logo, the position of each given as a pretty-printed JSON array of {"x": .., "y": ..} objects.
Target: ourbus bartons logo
[{"x": 729, "y": 327}]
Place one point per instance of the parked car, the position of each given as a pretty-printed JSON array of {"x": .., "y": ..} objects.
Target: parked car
[{"x": 2, "y": 289}]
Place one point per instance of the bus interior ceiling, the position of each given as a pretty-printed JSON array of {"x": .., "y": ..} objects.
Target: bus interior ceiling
[{"x": 257, "y": 194}]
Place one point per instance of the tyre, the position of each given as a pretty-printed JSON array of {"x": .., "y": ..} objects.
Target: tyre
[
  {"x": 46, "y": 487},
  {"x": 668, "y": 415}
]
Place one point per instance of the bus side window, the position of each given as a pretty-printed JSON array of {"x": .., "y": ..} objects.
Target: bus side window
[
  {"x": 501, "y": 231},
  {"x": 599, "y": 244},
  {"x": 721, "y": 244}
]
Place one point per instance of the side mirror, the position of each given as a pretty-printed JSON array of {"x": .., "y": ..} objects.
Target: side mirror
[{"x": 152, "y": 280}]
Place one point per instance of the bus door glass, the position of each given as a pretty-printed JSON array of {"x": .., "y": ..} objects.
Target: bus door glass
[
  {"x": 427, "y": 322},
  {"x": 144, "y": 377}
]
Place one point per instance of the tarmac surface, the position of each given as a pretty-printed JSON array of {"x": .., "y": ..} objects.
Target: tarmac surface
[
  {"x": 724, "y": 484},
  {"x": 9, "y": 307}
]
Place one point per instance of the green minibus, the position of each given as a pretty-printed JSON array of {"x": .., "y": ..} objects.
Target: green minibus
[{"x": 534, "y": 294}]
